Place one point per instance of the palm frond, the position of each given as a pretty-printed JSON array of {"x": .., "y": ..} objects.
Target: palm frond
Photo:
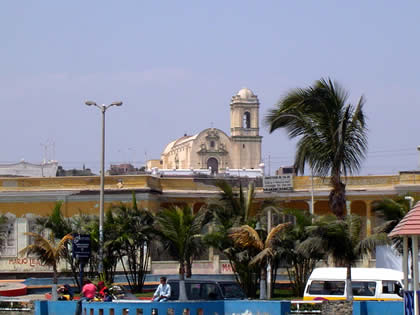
[
  {"x": 246, "y": 236},
  {"x": 274, "y": 232},
  {"x": 262, "y": 256},
  {"x": 368, "y": 244}
]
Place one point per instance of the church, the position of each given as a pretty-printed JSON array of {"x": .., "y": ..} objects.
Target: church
[{"x": 215, "y": 151}]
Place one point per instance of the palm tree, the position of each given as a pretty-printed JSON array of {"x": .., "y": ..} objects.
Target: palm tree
[
  {"x": 299, "y": 265},
  {"x": 131, "y": 233},
  {"x": 392, "y": 211},
  {"x": 340, "y": 240},
  {"x": 246, "y": 236},
  {"x": 332, "y": 133},
  {"x": 61, "y": 226},
  {"x": 48, "y": 251},
  {"x": 180, "y": 232},
  {"x": 234, "y": 209}
]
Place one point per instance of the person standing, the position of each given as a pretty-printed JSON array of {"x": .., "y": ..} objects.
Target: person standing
[{"x": 163, "y": 291}]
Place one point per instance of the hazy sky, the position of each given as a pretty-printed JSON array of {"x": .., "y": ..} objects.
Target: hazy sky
[{"x": 176, "y": 65}]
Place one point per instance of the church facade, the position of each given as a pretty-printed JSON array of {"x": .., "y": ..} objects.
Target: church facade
[{"x": 213, "y": 149}]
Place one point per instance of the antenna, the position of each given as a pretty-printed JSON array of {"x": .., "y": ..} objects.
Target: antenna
[
  {"x": 53, "y": 149},
  {"x": 44, "y": 147}
]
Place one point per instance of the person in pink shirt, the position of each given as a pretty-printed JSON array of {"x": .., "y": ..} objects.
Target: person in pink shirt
[{"x": 88, "y": 290}]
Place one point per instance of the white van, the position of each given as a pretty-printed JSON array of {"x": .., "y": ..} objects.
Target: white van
[{"x": 367, "y": 284}]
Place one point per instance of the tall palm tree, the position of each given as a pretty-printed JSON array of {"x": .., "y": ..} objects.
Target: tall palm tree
[
  {"x": 180, "y": 232},
  {"x": 340, "y": 240},
  {"x": 246, "y": 236},
  {"x": 48, "y": 250},
  {"x": 332, "y": 133}
]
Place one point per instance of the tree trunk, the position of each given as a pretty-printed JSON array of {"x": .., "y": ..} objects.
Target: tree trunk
[
  {"x": 182, "y": 291},
  {"x": 54, "y": 286},
  {"x": 337, "y": 197},
  {"x": 263, "y": 283},
  {"x": 55, "y": 274},
  {"x": 189, "y": 269},
  {"x": 349, "y": 295}
]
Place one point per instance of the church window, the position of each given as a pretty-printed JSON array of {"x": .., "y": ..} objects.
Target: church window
[
  {"x": 246, "y": 123},
  {"x": 243, "y": 146},
  {"x": 211, "y": 144}
]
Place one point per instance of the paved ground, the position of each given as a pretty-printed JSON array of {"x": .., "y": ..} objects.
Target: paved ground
[{"x": 27, "y": 297}]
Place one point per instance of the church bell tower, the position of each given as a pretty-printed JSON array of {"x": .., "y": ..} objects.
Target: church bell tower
[{"x": 244, "y": 130}]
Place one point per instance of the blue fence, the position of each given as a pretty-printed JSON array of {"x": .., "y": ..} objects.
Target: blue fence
[
  {"x": 175, "y": 308},
  {"x": 202, "y": 308}
]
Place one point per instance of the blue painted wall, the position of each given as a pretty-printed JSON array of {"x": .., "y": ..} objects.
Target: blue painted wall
[
  {"x": 209, "y": 308},
  {"x": 378, "y": 308},
  {"x": 257, "y": 307}
]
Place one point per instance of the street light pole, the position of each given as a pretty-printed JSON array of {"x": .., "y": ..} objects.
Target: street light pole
[{"x": 103, "y": 109}]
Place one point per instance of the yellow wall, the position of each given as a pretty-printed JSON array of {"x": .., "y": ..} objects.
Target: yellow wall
[{"x": 25, "y": 195}]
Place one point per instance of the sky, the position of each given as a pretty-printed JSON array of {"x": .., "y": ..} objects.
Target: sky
[{"x": 176, "y": 64}]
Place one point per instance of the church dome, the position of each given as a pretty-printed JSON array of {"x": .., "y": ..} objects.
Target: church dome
[{"x": 245, "y": 93}]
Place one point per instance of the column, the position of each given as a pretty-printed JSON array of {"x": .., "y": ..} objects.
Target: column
[
  {"x": 368, "y": 217},
  {"x": 21, "y": 227},
  {"x": 405, "y": 261},
  {"x": 348, "y": 207},
  {"x": 415, "y": 278},
  {"x": 311, "y": 206}
]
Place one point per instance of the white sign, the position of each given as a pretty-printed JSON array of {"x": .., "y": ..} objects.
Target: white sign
[{"x": 278, "y": 183}]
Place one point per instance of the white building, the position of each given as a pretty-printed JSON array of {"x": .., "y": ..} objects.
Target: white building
[
  {"x": 25, "y": 169},
  {"x": 213, "y": 149}
]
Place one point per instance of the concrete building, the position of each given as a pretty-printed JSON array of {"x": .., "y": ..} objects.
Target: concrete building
[
  {"x": 213, "y": 149},
  {"x": 24, "y": 199},
  {"x": 25, "y": 169}
]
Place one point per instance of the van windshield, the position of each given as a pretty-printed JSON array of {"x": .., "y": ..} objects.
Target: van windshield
[{"x": 318, "y": 287}]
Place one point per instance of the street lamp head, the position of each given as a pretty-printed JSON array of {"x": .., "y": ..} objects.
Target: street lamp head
[
  {"x": 90, "y": 103},
  {"x": 116, "y": 103}
]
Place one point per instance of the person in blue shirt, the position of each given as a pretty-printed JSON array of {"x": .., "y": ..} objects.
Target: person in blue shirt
[
  {"x": 163, "y": 291},
  {"x": 107, "y": 295}
]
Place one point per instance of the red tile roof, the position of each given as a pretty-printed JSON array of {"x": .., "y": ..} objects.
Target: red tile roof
[{"x": 410, "y": 224}]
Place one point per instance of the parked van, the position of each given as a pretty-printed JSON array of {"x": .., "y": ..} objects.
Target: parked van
[
  {"x": 367, "y": 284},
  {"x": 207, "y": 290}
]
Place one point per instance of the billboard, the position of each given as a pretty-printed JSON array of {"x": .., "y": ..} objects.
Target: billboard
[{"x": 278, "y": 183}]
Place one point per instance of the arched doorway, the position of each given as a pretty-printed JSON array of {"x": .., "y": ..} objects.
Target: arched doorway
[{"x": 214, "y": 164}]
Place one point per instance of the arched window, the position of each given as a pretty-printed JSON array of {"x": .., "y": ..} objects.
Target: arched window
[{"x": 246, "y": 123}]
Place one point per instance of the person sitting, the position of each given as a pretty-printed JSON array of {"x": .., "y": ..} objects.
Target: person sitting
[
  {"x": 88, "y": 290},
  {"x": 106, "y": 295},
  {"x": 66, "y": 293},
  {"x": 163, "y": 291},
  {"x": 101, "y": 288}
]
